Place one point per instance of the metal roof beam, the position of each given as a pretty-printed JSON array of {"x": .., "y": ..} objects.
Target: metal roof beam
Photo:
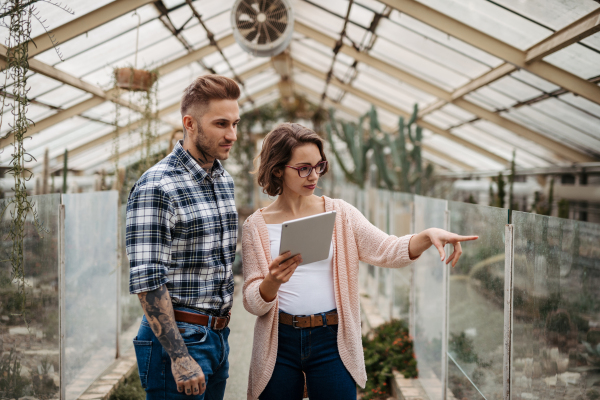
[
  {"x": 578, "y": 30},
  {"x": 496, "y": 47},
  {"x": 557, "y": 147},
  {"x": 398, "y": 111},
  {"x": 99, "y": 95},
  {"x": 166, "y": 136},
  {"x": 83, "y": 24},
  {"x": 354, "y": 113}
]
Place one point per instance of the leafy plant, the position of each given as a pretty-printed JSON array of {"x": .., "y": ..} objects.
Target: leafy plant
[
  {"x": 390, "y": 348},
  {"x": 12, "y": 384},
  {"x": 462, "y": 348},
  {"x": 130, "y": 389}
]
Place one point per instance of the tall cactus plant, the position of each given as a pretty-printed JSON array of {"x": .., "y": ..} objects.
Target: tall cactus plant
[
  {"x": 401, "y": 170},
  {"x": 357, "y": 143}
]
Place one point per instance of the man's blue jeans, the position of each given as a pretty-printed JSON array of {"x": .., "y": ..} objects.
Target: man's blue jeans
[
  {"x": 208, "y": 347},
  {"x": 313, "y": 351}
]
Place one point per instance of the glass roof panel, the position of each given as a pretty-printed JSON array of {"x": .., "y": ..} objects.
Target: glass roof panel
[
  {"x": 403, "y": 89},
  {"x": 593, "y": 41},
  {"x": 441, "y": 119},
  {"x": 418, "y": 65},
  {"x": 578, "y": 60},
  {"x": 416, "y": 42},
  {"x": 356, "y": 103},
  {"x": 514, "y": 89},
  {"x": 461, "y": 153},
  {"x": 309, "y": 80},
  {"x": 520, "y": 143},
  {"x": 571, "y": 116},
  {"x": 500, "y": 146},
  {"x": 61, "y": 96},
  {"x": 581, "y": 103},
  {"x": 95, "y": 37},
  {"x": 552, "y": 127},
  {"x": 493, "y": 20},
  {"x": 457, "y": 112},
  {"x": 392, "y": 91},
  {"x": 444, "y": 39},
  {"x": 318, "y": 19},
  {"x": 490, "y": 99},
  {"x": 534, "y": 80},
  {"x": 372, "y": 5},
  {"x": 554, "y": 14},
  {"x": 40, "y": 84},
  {"x": 54, "y": 16}
]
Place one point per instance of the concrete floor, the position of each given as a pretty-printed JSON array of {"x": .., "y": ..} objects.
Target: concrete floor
[{"x": 240, "y": 343}]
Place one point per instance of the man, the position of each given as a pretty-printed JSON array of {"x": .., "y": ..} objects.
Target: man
[{"x": 181, "y": 241}]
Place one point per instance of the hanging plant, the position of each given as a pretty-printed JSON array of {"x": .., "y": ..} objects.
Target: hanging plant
[
  {"x": 142, "y": 88},
  {"x": 16, "y": 16}
]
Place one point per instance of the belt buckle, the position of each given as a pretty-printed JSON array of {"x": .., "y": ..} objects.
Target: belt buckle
[{"x": 294, "y": 321}]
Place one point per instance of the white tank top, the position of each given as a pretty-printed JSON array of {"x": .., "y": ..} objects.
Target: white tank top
[{"x": 310, "y": 289}]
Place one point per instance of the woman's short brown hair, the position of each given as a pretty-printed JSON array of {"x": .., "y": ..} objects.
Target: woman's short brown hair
[{"x": 277, "y": 151}]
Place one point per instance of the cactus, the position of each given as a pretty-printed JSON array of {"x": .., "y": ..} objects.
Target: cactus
[
  {"x": 357, "y": 144},
  {"x": 396, "y": 170}
]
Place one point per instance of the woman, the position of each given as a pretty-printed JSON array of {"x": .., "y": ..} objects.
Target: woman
[{"x": 308, "y": 318}]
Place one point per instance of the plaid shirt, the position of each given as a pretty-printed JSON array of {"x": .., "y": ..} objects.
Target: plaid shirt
[{"x": 182, "y": 232}]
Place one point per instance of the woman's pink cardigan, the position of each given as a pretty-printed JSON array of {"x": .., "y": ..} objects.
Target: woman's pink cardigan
[{"x": 354, "y": 239}]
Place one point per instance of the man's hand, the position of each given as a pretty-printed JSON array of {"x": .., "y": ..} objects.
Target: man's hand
[
  {"x": 159, "y": 313},
  {"x": 188, "y": 376}
]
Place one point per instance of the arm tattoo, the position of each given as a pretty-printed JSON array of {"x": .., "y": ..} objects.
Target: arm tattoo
[{"x": 159, "y": 312}]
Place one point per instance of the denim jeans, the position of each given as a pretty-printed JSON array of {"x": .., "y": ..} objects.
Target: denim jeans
[
  {"x": 313, "y": 351},
  {"x": 208, "y": 347}
]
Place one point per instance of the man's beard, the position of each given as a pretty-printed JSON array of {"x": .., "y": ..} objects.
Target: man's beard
[{"x": 203, "y": 146}]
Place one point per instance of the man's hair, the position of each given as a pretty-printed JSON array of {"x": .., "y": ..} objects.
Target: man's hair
[
  {"x": 277, "y": 151},
  {"x": 206, "y": 88}
]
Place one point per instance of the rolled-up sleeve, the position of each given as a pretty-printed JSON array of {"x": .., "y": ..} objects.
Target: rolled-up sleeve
[{"x": 150, "y": 220}]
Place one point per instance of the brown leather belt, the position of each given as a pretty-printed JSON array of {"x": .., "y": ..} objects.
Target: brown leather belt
[
  {"x": 217, "y": 324},
  {"x": 308, "y": 321}
]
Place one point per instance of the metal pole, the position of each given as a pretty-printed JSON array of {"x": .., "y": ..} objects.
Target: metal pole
[
  {"x": 65, "y": 164},
  {"x": 62, "y": 303},
  {"x": 445, "y": 299},
  {"x": 509, "y": 252}
]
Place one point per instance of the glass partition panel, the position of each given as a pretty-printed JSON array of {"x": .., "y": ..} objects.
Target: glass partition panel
[
  {"x": 384, "y": 287},
  {"x": 556, "y": 303},
  {"x": 429, "y": 302},
  {"x": 400, "y": 225},
  {"x": 29, "y": 315},
  {"x": 475, "y": 303},
  {"x": 129, "y": 306},
  {"x": 91, "y": 234}
]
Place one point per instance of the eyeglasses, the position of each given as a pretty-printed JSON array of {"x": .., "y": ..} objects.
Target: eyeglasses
[{"x": 306, "y": 170}]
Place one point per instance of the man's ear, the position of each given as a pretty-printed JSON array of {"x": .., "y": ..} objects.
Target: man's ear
[{"x": 188, "y": 124}]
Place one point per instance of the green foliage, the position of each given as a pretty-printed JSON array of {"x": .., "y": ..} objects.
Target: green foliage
[
  {"x": 563, "y": 208},
  {"x": 12, "y": 384},
  {"x": 462, "y": 348},
  {"x": 390, "y": 348},
  {"x": 558, "y": 321},
  {"x": 130, "y": 389},
  {"x": 401, "y": 169}
]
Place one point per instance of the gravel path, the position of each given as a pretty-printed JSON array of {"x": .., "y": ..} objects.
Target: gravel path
[{"x": 240, "y": 343}]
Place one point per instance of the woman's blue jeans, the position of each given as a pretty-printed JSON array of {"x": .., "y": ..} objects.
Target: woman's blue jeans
[
  {"x": 208, "y": 347},
  {"x": 313, "y": 351}
]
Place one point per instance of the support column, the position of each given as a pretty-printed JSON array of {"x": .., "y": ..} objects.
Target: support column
[{"x": 508, "y": 309}]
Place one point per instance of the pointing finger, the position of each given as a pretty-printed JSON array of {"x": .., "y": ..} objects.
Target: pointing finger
[{"x": 459, "y": 238}]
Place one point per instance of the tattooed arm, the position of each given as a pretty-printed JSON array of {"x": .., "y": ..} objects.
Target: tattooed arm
[{"x": 159, "y": 312}]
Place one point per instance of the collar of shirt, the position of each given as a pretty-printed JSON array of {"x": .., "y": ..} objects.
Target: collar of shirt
[{"x": 192, "y": 165}]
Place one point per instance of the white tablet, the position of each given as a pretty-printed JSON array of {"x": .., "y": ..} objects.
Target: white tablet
[{"x": 308, "y": 236}]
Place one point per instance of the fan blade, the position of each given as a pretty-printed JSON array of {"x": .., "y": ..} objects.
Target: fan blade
[
  {"x": 250, "y": 9},
  {"x": 275, "y": 6},
  {"x": 249, "y": 34}
]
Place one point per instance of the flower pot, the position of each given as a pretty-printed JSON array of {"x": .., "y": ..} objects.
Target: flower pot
[{"x": 135, "y": 79}]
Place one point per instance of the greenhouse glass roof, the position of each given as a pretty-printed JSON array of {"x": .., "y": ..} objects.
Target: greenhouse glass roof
[{"x": 489, "y": 76}]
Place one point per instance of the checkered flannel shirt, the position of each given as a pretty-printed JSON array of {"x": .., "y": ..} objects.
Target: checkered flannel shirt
[{"x": 182, "y": 231}]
